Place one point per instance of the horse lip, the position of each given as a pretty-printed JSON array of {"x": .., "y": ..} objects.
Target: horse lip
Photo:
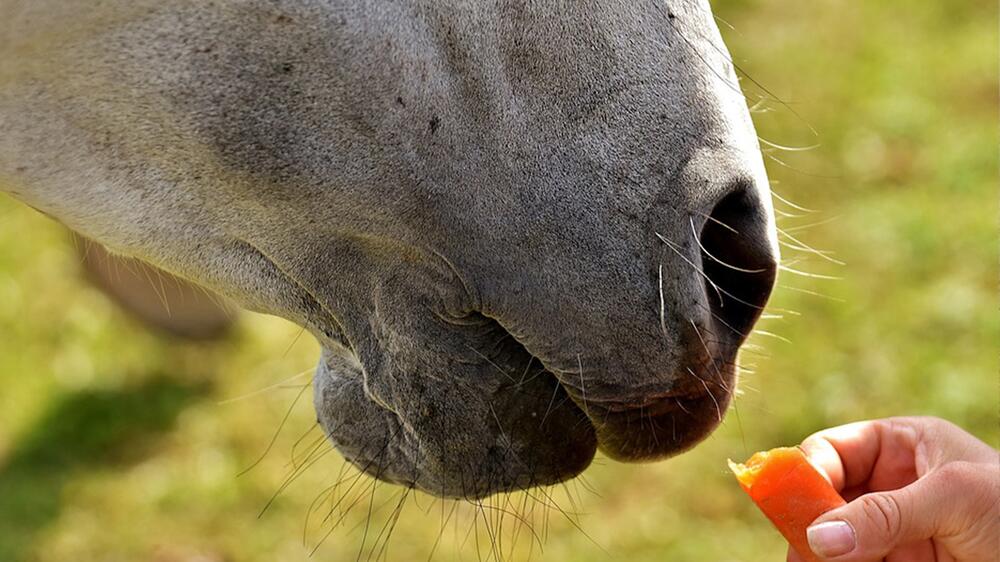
[
  {"x": 660, "y": 430},
  {"x": 652, "y": 399},
  {"x": 637, "y": 403},
  {"x": 653, "y": 422}
]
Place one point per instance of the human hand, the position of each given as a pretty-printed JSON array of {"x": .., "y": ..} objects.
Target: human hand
[{"x": 919, "y": 489}]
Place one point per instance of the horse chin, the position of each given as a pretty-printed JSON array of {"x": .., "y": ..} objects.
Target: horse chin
[{"x": 528, "y": 433}]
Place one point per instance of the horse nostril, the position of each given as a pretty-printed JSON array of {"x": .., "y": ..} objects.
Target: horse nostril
[{"x": 738, "y": 260}]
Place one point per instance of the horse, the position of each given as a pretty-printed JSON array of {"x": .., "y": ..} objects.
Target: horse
[{"x": 521, "y": 231}]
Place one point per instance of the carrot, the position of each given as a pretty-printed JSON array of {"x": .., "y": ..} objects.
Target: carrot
[{"x": 790, "y": 492}]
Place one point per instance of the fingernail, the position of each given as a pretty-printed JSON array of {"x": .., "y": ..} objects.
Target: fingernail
[{"x": 830, "y": 539}]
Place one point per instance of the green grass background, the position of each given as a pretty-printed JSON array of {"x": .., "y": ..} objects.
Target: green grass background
[{"x": 118, "y": 444}]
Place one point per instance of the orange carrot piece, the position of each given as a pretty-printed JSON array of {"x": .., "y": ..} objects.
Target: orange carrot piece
[{"x": 790, "y": 492}]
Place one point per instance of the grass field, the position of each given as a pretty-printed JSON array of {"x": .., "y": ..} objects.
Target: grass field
[{"x": 118, "y": 444}]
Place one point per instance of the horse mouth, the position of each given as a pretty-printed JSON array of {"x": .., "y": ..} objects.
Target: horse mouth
[
  {"x": 657, "y": 424},
  {"x": 658, "y": 427}
]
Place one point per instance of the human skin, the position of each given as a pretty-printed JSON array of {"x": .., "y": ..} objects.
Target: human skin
[{"x": 919, "y": 489}]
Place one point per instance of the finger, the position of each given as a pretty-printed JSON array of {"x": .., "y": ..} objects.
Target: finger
[
  {"x": 847, "y": 454},
  {"x": 947, "y": 442},
  {"x": 824, "y": 456}
]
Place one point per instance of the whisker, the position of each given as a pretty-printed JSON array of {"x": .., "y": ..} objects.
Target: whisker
[
  {"x": 294, "y": 462},
  {"x": 313, "y": 507},
  {"x": 670, "y": 245},
  {"x": 812, "y": 293},
  {"x": 715, "y": 220},
  {"x": 739, "y": 423},
  {"x": 760, "y": 106},
  {"x": 390, "y": 525},
  {"x": 719, "y": 291},
  {"x": 790, "y": 204},
  {"x": 711, "y": 356},
  {"x": 807, "y": 246},
  {"x": 725, "y": 23},
  {"x": 821, "y": 253},
  {"x": 487, "y": 359},
  {"x": 808, "y": 226},
  {"x": 274, "y": 438},
  {"x": 526, "y": 369},
  {"x": 663, "y": 323},
  {"x": 707, "y": 253},
  {"x": 444, "y": 525},
  {"x": 718, "y": 409},
  {"x": 784, "y": 164},
  {"x": 807, "y": 274},
  {"x": 574, "y": 523},
  {"x": 723, "y": 322},
  {"x": 740, "y": 69},
  {"x": 787, "y": 148},
  {"x": 292, "y": 477},
  {"x": 772, "y": 335},
  {"x": 681, "y": 406},
  {"x": 266, "y": 388},
  {"x": 583, "y": 387},
  {"x": 371, "y": 484},
  {"x": 786, "y": 215},
  {"x": 555, "y": 391},
  {"x": 294, "y": 341}
]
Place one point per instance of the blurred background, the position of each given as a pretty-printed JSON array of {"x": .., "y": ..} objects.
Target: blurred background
[{"x": 119, "y": 443}]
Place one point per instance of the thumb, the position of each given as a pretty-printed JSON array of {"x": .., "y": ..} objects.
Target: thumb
[{"x": 873, "y": 525}]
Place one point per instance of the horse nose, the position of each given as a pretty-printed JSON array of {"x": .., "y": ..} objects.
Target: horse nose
[
  {"x": 729, "y": 249},
  {"x": 727, "y": 243},
  {"x": 738, "y": 257}
]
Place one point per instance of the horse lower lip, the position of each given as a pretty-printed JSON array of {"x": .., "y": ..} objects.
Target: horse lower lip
[{"x": 665, "y": 428}]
